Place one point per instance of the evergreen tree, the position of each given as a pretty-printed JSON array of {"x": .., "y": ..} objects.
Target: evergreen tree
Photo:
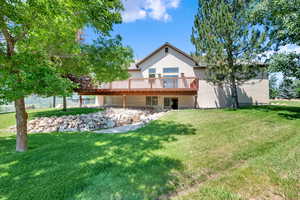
[
  {"x": 297, "y": 88},
  {"x": 223, "y": 33},
  {"x": 287, "y": 89},
  {"x": 273, "y": 89}
]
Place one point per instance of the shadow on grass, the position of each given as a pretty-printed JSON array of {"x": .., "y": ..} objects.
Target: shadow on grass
[
  {"x": 70, "y": 111},
  {"x": 91, "y": 166}
]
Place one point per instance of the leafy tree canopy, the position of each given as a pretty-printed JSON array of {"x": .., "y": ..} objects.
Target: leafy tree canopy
[
  {"x": 286, "y": 63},
  {"x": 24, "y": 74},
  {"x": 38, "y": 43},
  {"x": 39, "y": 46},
  {"x": 282, "y": 19},
  {"x": 108, "y": 59}
]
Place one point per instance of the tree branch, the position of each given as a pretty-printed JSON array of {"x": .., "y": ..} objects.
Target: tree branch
[
  {"x": 21, "y": 36},
  {"x": 8, "y": 37}
]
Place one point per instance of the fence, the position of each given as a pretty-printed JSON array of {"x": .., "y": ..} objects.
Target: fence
[{"x": 37, "y": 102}]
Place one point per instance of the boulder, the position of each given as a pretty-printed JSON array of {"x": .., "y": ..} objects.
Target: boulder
[{"x": 110, "y": 118}]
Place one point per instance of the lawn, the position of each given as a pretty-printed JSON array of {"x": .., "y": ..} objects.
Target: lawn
[
  {"x": 252, "y": 153},
  {"x": 286, "y": 102}
]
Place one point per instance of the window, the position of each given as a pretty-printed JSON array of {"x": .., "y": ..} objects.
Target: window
[
  {"x": 151, "y": 100},
  {"x": 171, "y": 70},
  {"x": 152, "y": 72},
  {"x": 166, "y": 50},
  {"x": 167, "y": 102}
]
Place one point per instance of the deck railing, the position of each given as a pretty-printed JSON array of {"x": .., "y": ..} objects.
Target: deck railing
[{"x": 153, "y": 83}]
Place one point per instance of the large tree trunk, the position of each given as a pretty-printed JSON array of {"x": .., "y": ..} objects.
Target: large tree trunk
[
  {"x": 80, "y": 101},
  {"x": 64, "y": 103},
  {"x": 21, "y": 114},
  {"x": 233, "y": 88},
  {"x": 234, "y": 94},
  {"x": 21, "y": 118}
]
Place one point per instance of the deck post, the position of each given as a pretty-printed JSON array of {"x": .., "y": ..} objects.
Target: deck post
[
  {"x": 195, "y": 101},
  {"x": 80, "y": 101},
  {"x": 129, "y": 84},
  {"x": 124, "y": 101}
]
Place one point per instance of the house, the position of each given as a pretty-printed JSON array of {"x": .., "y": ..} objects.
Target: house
[{"x": 170, "y": 78}]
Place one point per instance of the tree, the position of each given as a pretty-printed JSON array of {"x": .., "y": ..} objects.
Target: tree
[
  {"x": 105, "y": 60},
  {"x": 286, "y": 63},
  {"x": 273, "y": 89},
  {"x": 282, "y": 19},
  {"x": 223, "y": 33},
  {"x": 287, "y": 89},
  {"x": 297, "y": 88},
  {"x": 30, "y": 32},
  {"x": 289, "y": 65}
]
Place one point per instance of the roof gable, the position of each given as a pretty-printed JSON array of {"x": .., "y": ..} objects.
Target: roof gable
[{"x": 162, "y": 47}]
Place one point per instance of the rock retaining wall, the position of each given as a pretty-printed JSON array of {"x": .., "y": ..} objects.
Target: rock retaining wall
[{"x": 110, "y": 118}]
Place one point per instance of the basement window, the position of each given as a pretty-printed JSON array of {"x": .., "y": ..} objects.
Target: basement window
[{"x": 151, "y": 100}]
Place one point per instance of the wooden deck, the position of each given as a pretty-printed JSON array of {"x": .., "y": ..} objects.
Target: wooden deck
[{"x": 146, "y": 86}]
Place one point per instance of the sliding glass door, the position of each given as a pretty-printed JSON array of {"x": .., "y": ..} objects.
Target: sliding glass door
[{"x": 171, "y": 81}]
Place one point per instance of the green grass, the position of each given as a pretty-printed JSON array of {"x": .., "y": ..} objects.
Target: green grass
[
  {"x": 210, "y": 154},
  {"x": 286, "y": 102}
]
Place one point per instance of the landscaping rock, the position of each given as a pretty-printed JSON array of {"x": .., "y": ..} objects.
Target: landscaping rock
[{"x": 107, "y": 119}]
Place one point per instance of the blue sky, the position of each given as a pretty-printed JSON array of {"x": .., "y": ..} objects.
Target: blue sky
[
  {"x": 150, "y": 23},
  {"x": 147, "y": 24}
]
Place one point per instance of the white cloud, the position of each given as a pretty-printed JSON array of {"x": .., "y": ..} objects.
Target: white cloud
[
  {"x": 290, "y": 48},
  {"x": 154, "y": 9},
  {"x": 284, "y": 49}
]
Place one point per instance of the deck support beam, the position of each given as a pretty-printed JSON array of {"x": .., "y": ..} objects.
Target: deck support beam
[
  {"x": 195, "y": 101},
  {"x": 124, "y": 101}
]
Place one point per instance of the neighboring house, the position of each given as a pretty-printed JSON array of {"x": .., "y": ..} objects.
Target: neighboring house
[{"x": 170, "y": 78}]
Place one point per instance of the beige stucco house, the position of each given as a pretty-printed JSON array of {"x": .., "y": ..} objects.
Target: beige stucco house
[{"x": 170, "y": 78}]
